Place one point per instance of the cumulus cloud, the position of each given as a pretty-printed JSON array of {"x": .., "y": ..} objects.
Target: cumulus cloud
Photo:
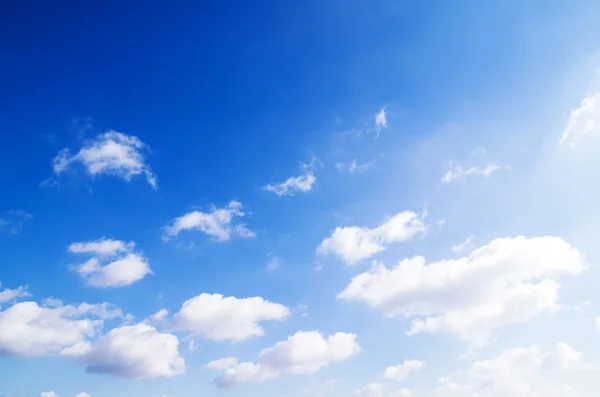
[
  {"x": 520, "y": 372},
  {"x": 584, "y": 121},
  {"x": 132, "y": 351},
  {"x": 219, "y": 223},
  {"x": 305, "y": 352},
  {"x": 30, "y": 330},
  {"x": 510, "y": 280},
  {"x": 11, "y": 295},
  {"x": 48, "y": 394},
  {"x": 458, "y": 172},
  {"x": 354, "y": 243},
  {"x": 303, "y": 183},
  {"x": 220, "y": 318},
  {"x": 402, "y": 371},
  {"x": 111, "y": 153},
  {"x": 222, "y": 364},
  {"x": 114, "y": 263}
]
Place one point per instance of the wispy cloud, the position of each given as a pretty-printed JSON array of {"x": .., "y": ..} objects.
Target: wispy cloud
[
  {"x": 13, "y": 221},
  {"x": 583, "y": 120},
  {"x": 458, "y": 172}
]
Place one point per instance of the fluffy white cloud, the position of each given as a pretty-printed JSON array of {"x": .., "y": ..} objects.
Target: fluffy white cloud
[
  {"x": 29, "y": 330},
  {"x": 402, "y": 371},
  {"x": 302, "y": 353},
  {"x": 303, "y": 183},
  {"x": 133, "y": 351},
  {"x": 222, "y": 364},
  {"x": 220, "y": 318},
  {"x": 82, "y": 395},
  {"x": 114, "y": 264},
  {"x": 459, "y": 172},
  {"x": 111, "y": 153},
  {"x": 519, "y": 372},
  {"x": 507, "y": 281},
  {"x": 218, "y": 223},
  {"x": 354, "y": 243},
  {"x": 48, "y": 394},
  {"x": 10, "y": 295},
  {"x": 583, "y": 121}
]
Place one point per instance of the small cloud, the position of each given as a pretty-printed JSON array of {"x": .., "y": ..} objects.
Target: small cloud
[
  {"x": 114, "y": 263},
  {"x": 584, "y": 121},
  {"x": 218, "y": 223},
  {"x": 381, "y": 121},
  {"x": 111, "y": 153},
  {"x": 458, "y": 248},
  {"x": 303, "y": 183},
  {"x": 479, "y": 151},
  {"x": 459, "y": 172}
]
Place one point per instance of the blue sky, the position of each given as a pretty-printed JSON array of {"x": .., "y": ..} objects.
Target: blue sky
[{"x": 323, "y": 198}]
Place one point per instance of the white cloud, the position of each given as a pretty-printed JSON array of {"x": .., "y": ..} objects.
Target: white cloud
[
  {"x": 519, "y": 372},
  {"x": 507, "y": 281},
  {"x": 115, "y": 263},
  {"x": 381, "y": 120},
  {"x": 402, "y": 371},
  {"x": 222, "y": 364},
  {"x": 302, "y": 353},
  {"x": 101, "y": 247},
  {"x": 459, "y": 172},
  {"x": 29, "y": 330},
  {"x": 458, "y": 248},
  {"x": 133, "y": 351},
  {"x": 274, "y": 263},
  {"x": 583, "y": 121},
  {"x": 220, "y": 318},
  {"x": 82, "y": 395},
  {"x": 218, "y": 223},
  {"x": 10, "y": 295},
  {"x": 376, "y": 389},
  {"x": 303, "y": 183},
  {"x": 111, "y": 153},
  {"x": 354, "y": 243},
  {"x": 48, "y": 394}
]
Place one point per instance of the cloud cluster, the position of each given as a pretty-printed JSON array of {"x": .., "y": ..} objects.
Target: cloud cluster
[
  {"x": 377, "y": 389},
  {"x": 114, "y": 263},
  {"x": 8, "y": 295},
  {"x": 305, "y": 352},
  {"x": 508, "y": 281},
  {"x": 519, "y": 372},
  {"x": 111, "y": 153},
  {"x": 219, "y": 223},
  {"x": 30, "y": 330},
  {"x": 353, "y": 243},
  {"x": 402, "y": 371}
]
